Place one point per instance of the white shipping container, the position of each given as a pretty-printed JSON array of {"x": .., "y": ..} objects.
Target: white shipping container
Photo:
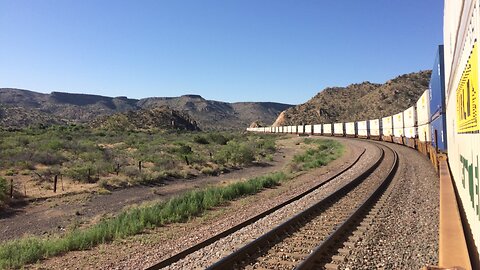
[
  {"x": 424, "y": 133},
  {"x": 362, "y": 128},
  {"x": 387, "y": 126},
  {"x": 423, "y": 109},
  {"x": 327, "y": 129},
  {"x": 317, "y": 129},
  {"x": 350, "y": 128},
  {"x": 308, "y": 129},
  {"x": 462, "y": 23},
  {"x": 409, "y": 119},
  {"x": 410, "y": 132},
  {"x": 398, "y": 125},
  {"x": 338, "y": 129},
  {"x": 300, "y": 129},
  {"x": 375, "y": 129}
]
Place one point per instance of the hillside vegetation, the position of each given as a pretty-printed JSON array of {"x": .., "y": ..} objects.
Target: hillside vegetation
[
  {"x": 358, "y": 101},
  {"x": 152, "y": 119},
  {"x": 23, "y": 108}
]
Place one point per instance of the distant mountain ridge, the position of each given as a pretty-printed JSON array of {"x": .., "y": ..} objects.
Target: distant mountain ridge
[
  {"x": 59, "y": 108},
  {"x": 359, "y": 101}
]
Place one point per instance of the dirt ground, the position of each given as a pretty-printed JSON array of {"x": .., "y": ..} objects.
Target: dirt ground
[{"x": 56, "y": 215}]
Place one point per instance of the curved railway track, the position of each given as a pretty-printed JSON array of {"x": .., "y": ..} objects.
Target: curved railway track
[
  {"x": 306, "y": 240},
  {"x": 292, "y": 241}
]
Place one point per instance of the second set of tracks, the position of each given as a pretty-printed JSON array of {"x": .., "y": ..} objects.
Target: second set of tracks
[{"x": 313, "y": 238}]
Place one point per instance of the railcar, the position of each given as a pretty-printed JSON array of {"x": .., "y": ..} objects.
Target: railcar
[
  {"x": 327, "y": 130},
  {"x": 308, "y": 129},
  {"x": 375, "y": 129},
  {"x": 387, "y": 129},
  {"x": 300, "y": 129},
  {"x": 410, "y": 127},
  {"x": 350, "y": 129},
  {"x": 398, "y": 132},
  {"x": 437, "y": 103},
  {"x": 339, "y": 129},
  {"x": 363, "y": 129},
  {"x": 461, "y": 107}
]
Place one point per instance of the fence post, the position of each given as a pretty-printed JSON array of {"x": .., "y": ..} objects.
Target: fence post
[
  {"x": 11, "y": 188},
  {"x": 55, "y": 179},
  {"x": 140, "y": 166}
]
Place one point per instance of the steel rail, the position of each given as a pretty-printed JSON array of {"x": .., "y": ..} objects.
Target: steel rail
[
  {"x": 249, "y": 221},
  {"x": 345, "y": 227},
  {"x": 271, "y": 236}
]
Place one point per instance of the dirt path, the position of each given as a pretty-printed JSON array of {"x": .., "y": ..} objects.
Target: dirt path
[{"x": 56, "y": 215}]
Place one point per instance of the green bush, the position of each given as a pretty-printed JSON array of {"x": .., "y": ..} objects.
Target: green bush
[
  {"x": 218, "y": 138},
  {"x": 200, "y": 139},
  {"x": 235, "y": 153},
  {"x": 131, "y": 171},
  {"x": 81, "y": 172},
  {"x": 3, "y": 189},
  {"x": 183, "y": 149},
  {"x": 48, "y": 158}
]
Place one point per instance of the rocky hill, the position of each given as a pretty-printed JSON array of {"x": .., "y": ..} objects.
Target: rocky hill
[
  {"x": 146, "y": 119},
  {"x": 358, "y": 101},
  {"x": 212, "y": 114},
  {"x": 60, "y": 107}
]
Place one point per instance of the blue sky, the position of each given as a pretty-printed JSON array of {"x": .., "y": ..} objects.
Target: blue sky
[{"x": 242, "y": 50}]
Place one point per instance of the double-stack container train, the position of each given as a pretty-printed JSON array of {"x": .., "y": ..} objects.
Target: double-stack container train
[{"x": 445, "y": 119}]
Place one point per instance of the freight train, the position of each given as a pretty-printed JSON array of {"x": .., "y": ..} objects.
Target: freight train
[{"x": 444, "y": 121}]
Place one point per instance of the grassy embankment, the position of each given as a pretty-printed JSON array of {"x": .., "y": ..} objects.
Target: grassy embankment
[{"x": 190, "y": 204}]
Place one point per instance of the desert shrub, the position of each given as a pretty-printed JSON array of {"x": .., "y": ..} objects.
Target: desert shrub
[
  {"x": 150, "y": 177},
  {"x": 131, "y": 171},
  {"x": 267, "y": 144},
  {"x": 48, "y": 157},
  {"x": 235, "y": 153},
  {"x": 81, "y": 172},
  {"x": 3, "y": 189},
  {"x": 54, "y": 145},
  {"x": 218, "y": 138},
  {"x": 164, "y": 163},
  {"x": 26, "y": 165},
  {"x": 209, "y": 171},
  {"x": 10, "y": 172},
  {"x": 103, "y": 183},
  {"x": 200, "y": 139},
  {"x": 183, "y": 149}
]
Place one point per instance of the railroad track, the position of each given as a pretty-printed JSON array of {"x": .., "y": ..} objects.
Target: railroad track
[
  {"x": 310, "y": 239},
  {"x": 277, "y": 254}
]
